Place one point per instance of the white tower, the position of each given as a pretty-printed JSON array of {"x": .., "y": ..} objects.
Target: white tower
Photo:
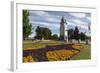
[{"x": 63, "y": 30}]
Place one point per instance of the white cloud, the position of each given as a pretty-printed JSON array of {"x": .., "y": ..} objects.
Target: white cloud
[
  {"x": 40, "y": 13},
  {"x": 52, "y": 19},
  {"x": 79, "y": 15},
  {"x": 45, "y": 24},
  {"x": 77, "y": 21},
  {"x": 45, "y": 16},
  {"x": 39, "y": 23},
  {"x": 78, "y": 25}
]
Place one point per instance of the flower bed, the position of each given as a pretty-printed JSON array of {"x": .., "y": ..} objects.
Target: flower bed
[
  {"x": 28, "y": 59},
  {"x": 63, "y": 54},
  {"x": 50, "y": 53},
  {"x": 76, "y": 46}
]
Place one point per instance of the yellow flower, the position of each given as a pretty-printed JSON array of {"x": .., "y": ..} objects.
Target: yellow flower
[
  {"x": 60, "y": 54},
  {"x": 28, "y": 59},
  {"x": 76, "y": 46}
]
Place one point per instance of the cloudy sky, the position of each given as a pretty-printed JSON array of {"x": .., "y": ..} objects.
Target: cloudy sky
[{"x": 51, "y": 20}]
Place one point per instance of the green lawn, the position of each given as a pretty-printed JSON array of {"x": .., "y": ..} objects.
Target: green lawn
[
  {"x": 85, "y": 53},
  {"x": 39, "y": 44}
]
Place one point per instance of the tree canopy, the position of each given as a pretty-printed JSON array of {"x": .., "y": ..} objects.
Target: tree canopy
[
  {"x": 42, "y": 32},
  {"x": 76, "y": 33},
  {"x": 55, "y": 37},
  {"x": 27, "y": 27},
  {"x": 82, "y": 36}
]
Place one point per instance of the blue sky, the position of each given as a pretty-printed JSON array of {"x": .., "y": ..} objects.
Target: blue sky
[{"x": 51, "y": 20}]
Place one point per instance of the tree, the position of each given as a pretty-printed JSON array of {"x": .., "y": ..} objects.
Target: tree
[
  {"x": 27, "y": 27},
  {"x": 82, "y": 36},
  {"x": 55, "y": 37},
  {"x": 70, "y": 34},
  {"x": 38, "y": 33},
  {"x": 42, "y": 32},
  {"x": 46, "y": 33},
  {"x": 76, "y": 34}
]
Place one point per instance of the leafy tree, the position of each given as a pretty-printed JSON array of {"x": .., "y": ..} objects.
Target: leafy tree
[
  {"x": 82, "y": 36},
  {"x": 42, "y": 32},
  {"x": 76, "y": 34},
  {"x": 38, "y": 33},
  {"x": 70, "y": 34},
  {"x": 55, "y": 37},
  {"x": 27, "y": 27},
  {"x": 46, "y": 33}
]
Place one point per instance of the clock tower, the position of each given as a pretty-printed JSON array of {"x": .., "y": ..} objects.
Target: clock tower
[{"x": 63, "y": 31}]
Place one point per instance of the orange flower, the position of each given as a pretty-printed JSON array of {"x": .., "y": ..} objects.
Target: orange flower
[
  {"x": 76, "y": 46},
  {"x": 28, "y": 59},
  {"x": 60, "y": 54}
]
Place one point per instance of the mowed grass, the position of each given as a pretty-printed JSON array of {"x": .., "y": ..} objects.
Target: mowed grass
[
  {"x": 39, "y": 44},
  {"x": 85, "y": 53}
]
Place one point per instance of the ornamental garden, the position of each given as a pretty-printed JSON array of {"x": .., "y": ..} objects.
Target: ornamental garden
[{"x": 45, "y": 45}]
